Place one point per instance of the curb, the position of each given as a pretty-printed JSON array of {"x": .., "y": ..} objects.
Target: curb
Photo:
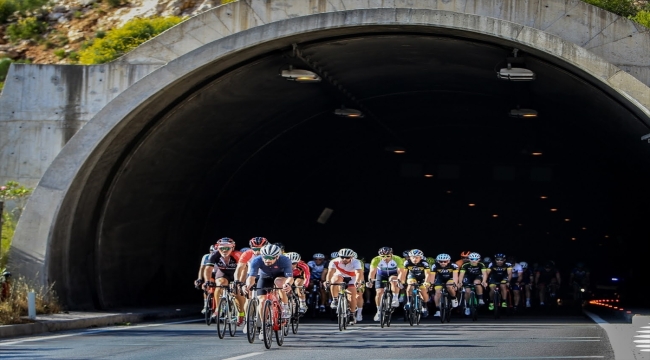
[{"x": 81, "y": 320}]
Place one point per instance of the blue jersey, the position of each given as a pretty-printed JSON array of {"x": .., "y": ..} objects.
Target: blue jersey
[{"x": 281, "y": 267}]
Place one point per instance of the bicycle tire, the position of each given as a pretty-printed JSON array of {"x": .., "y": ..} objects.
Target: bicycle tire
[
  {"x": 382, "y": 310},
  {"x": 282, "y": 325},
  {"x": 251, "y": 320},
  {"x": 340, "y": 313},
  {"x": 233, "y": 316},
  {"x": 267, "y": 323},
  {"x": 497, "y": 303},
  {"x": 295, "y": 318},
  {"x": 208, "y": 309},
  {"x": 389, "y": 308},
  {"x": 344, "y": 308},
  {"x": 411, "y": 311},
  {"x": 443, "y": 306},
  {"x": 285, "y": 329},
  {"x": 222, "y": 317},
  {"x": 449, "y": 308},
  {"x": 418, "y": 315},
  {"x": 473, "y": 306}
]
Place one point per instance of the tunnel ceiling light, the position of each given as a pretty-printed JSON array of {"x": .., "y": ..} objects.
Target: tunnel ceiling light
[
  {"x": 495, "y": 215},
  {"x": 553, "y": 209},
  {"x": 584, "y": 228},
  {"x": 428, "y": 175},
  {"x": 396, "y": 150},
  {"x": 471, "y": 205},
  {"x": 645, "y": 137},
  {"x": 573, "y": 238},
  {"x": 346, "y": 112},
  {"x": 536, "y": 153},
  {"x": 523, "y": 113},
  {"x": 567, "y": 220},
  {"x": 543, "y": 197},
  {"x": 298, "y": 75},
  {"x": 516, "y": 74}
]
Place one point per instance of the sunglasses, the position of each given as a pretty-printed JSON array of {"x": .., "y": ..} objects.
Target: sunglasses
[
  {"x": 443, "y": 262},
  {"x": 498, "y": 260},
  {"x": 225, "y": 248},
  {"x": 346, "y": 257},
  {"x": 386, "y": 256},
  {"x": 265, "y": 257},
  {"x": 255, "y": 249}
]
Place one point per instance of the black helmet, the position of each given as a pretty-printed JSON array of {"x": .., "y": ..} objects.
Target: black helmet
[{"x": 280, "y": 245}]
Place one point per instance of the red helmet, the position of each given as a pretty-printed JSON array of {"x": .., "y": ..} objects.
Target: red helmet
[
  {"x": 225, "y": 242},
  {"x": 465, "y": 253},
  {"x": 258, "y": 242}
]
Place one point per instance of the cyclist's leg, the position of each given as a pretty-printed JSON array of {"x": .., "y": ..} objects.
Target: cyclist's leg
[
  {"x": 220, "y": 281},
  {"x": 541, "y": 287},
  {"x": 504, "y": 292},
  {"x": 393, "y": 285}
]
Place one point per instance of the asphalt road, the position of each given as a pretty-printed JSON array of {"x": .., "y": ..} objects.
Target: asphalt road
[{"x": 538, "y": 336}]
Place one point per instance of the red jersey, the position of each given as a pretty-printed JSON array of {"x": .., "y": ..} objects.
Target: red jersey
[
  {"x": 302, "y": 271},
  {"x": 246, "y": 256}
]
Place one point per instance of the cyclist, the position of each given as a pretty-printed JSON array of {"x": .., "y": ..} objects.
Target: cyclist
[
  {"x": 280, "y": 245},
  {"x": 389, "y": 267},
  {"x": 444, "y": 273},
  {"x": 274, "y": 270},
  {"x": 363, "y": 294},
  {"x": 256, "y": 245},
  {"x": 499, "y": 273},
  {"x": 345, "y": 266},
  {"x": 526, "y": 281},
  {"x": 318, "y": 270},
  {"x": 198, "y": 283},
  {"x": 417, "y": 272},
  {"x": 301, "y": 276},
  {"x": 473, "y": 272},
  {"x": 579, "y": 279},
  {"x": 221, "y": 267},
  {"x": 548, "y": 276},
  {"x": 517, "y": 273},
  {"x": 463, "y": 258}
]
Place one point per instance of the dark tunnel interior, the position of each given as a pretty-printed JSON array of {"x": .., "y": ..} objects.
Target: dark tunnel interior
[{"x": 251, "y": 154}]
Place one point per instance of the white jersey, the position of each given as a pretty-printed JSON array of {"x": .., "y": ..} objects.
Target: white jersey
[
  {"x": 348, "y": 270},
  {"x": 204, "y": 259},
  {"x": 516, "y": 269}
]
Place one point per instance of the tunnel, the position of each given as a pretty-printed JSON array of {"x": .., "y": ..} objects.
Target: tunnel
[{"x": 436, "y": 162}]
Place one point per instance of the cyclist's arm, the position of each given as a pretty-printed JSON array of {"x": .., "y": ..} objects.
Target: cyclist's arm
[
  {"x": 360, "y": 279},
  {"x": 240, "y": 271},
  {"x": 454, "y": 275},
  {"x": 201, "y": 270},
  {"x": 509, "y": 270},
  {"x": 373, "y": 273},
  {"x": 432, "y": 277},
  {"x": 323, "y": 276},
  {"x": 461, "y": 276},
  {"x": 559, "y": 280},
  {"x": 207, "y": 272}
]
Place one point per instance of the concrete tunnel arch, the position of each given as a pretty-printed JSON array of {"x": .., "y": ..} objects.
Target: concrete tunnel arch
[{"x": 63, "y": 236}]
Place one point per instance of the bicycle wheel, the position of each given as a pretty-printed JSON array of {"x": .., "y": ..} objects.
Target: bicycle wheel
[
  {"x": 497, "y": 303},
  {"x": 382, "y": 309},
  {"x": 410, "y": 313},
  {"x": 285, "y": 329},
  {"x": 295, "y": 317},
  {"x": 281, "y": 325},
  {"x": 340, "y": 313},
  {"x": 209, "y": 309},
  {"x": 222, "y": 317},
  {"x": 389, "y": 308},
  {"x": 233, "y": 316},
  {"x": 418, "y": 309},
  {"x": 449, "y": 308},
  {"x": 251, "y": 320},
  {"x": 443, "y": 307},
  {"x": 267, "y": 323},
  {"x": 473, "y": 306}
]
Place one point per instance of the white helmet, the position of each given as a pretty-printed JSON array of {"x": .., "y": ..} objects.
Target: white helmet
[
  {"x": 474, "y": 256},
  {"x": 416, "y": 252},
  {"x": 443, "y": 257},
  {"x": 345, "y": 252},
  {"x": 294, "y": 256},
  {"x": 271, "y": 250},
  {"x": 319, "y": 256},
  {"x": 334, "y": 255},
  {"x": 524, "y": 265}
]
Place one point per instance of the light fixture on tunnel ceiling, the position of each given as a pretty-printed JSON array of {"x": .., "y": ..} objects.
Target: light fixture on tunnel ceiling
[
  {"x": 515, "y": 73},
  {"x": 536, "y": 152},
  {"x": 428, "y": 175},
  {"x": 645, "y": 137},
  {"x": 396, "y": 150},
  {"x": 299, "y": 75},
  {"x": 346, "y": 112},
  {"x": 523, "y": 113}
]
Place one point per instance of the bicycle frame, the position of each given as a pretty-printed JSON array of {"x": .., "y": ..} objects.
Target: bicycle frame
[
  {"x": 416, "y": 300},
  {"x": 227, "y": 311},
  {"x": 385, "y": 304},
  {"x": 272, "y": 320},
  {"x": 342, "y": 310}
]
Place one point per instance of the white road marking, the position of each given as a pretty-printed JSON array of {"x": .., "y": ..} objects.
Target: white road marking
[
  {"x": 642, "y": 341},
  {"x": 597, "y": 319},
  {"x": 642, "y": 336},
  {"x": 243, "y": 356},
  {"x": 95, "y": 331}
]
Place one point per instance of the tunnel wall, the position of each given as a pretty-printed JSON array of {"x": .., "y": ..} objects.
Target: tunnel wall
[{"x": 57, "y": 237}]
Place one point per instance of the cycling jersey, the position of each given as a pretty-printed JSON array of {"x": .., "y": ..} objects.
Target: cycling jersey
[
  {"x": 387, "y": 268},
  {"x": 345, "y": 270},
  {"x": 317, "y": 270},
  {"x": 224, "y": 267},
  {"x": 416, "y": 271},
  {"x": 302, "y": 272},
  {"x": 516, "y": 269},
  {"x": 280, "y": 268},
  {"x": 246, "y": 256},
  {"x": 444, "y": 273},
  {"x": 498, "y": 273},
  {"x": 472, "y": 272},
  {"x": 580, "y": 275},
  {"x": 204, "y": 259},
  {"x": 545, "y": 276}
]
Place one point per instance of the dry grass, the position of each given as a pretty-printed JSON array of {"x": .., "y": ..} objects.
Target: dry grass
[{"x": 15, "y": 306}]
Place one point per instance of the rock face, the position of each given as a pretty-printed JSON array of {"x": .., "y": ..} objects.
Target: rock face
[{"x": 71, "y": 23}]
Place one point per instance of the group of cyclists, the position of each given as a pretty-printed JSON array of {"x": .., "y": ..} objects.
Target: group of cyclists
[{"x": 265, "y": 265}]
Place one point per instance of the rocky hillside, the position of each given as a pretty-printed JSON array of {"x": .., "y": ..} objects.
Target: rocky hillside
[{"x": 72, "y": 23}]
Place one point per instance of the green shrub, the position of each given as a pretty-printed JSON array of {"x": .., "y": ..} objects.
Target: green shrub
[
  {"x": 73, "y": 56},
  {"x": 60, "y": 53},
  {"x": 118, "y": 42},
  {"x": 642, "y": 17},
  {"x": 625, "y": 8},
  {"x": 27, "y": 28},
  {"x": 4, "y": 68},
  {"x": 8, "y": 7}
]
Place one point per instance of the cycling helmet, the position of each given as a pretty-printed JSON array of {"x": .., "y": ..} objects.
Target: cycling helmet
[
  {"x": 524, "y": 265},
  {"x": 355, "y": 255},
  {"x": 319, "y": 256},
  {"x": 487, "y": 260},
  {"x": 271, "y": 250},
  {"x": 211, "y": 248},
  {"x": 334, "y": 255},
  {"x": 294, "y": 256},
  {"x": 474, "y": 256},
  {"x": 257, "y": 242},
  {"x": 464, "y": 254},
  {"x": 499, "y": 256},
  {"x": 385, "y": 251},
  {"x": 405, "y": 253},
  {"x": 443, "y": 257},
  {"x": 345, "y": 252},
  {"x": 416, "y": 252},
  {"x": 225, "y": 242},
  {"x": 244, "y": 249},
  {"x": 280, "y": 245}
]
